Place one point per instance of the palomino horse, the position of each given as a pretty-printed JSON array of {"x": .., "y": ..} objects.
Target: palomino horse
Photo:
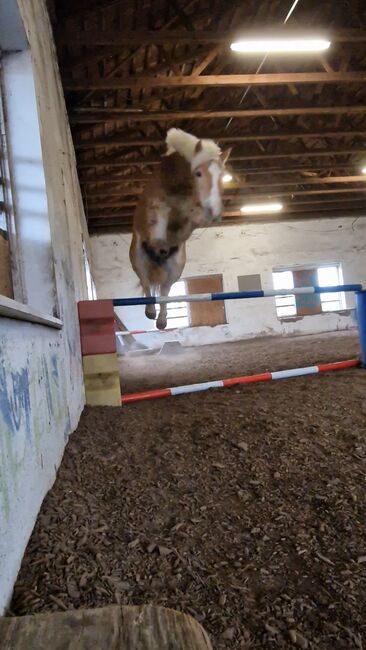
[{"x": 184, "y": 194}]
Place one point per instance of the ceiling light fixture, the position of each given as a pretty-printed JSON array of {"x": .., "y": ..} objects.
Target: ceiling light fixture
[
  {"x": 280, "y": 45},
  {"x": 261, "y": 208},
  {"x": 227, "y": 178},
  {"x": 363, "y": 170}
]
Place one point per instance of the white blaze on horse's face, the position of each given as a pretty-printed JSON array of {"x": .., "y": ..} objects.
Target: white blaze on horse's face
[
  {"x": 208, "y": 188},
  {"x": 159, "y": 229}
]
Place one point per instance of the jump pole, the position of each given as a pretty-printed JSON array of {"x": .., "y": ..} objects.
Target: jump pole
[
  {"x": 135, "y": 332},
  {"x": 237, "y": 381},
  {"x": 233, "y": 295}
]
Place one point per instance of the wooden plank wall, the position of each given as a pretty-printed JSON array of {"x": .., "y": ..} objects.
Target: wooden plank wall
[
  {"x": 206, "y": 313},
  {"x": 6, "y": 285}
]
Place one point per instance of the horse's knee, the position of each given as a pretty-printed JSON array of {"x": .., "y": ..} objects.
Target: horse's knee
[{"x": 150, "y": 312}]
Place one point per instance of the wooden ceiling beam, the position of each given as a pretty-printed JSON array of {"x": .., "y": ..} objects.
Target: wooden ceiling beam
[
  {"x": 252, "y": 171},
  {"x": 294, "y": 169},
  {"x": 216, "y": 80},
  {"x": 310, "y": 181},
  {"x": 90, "y": 58},
  {"x": 182, "y": 36},
  {"x": 125, "y": 218},
  {"x": 309, "y": 212},
  {"x": 143, "y": 178},
  {"x": 267, "y": 195},
  {"x": 207, "y": 60},
  {"x": 124, "y": 141},
  {"x": 238, "y": 218},
  {"x": 115, "y": 180},
  {"x": 245, "y": 196},
  {"x": 100, "y": 206},
  {"x": 93, "y": 115},
  {"x": 311, "y": 153}
]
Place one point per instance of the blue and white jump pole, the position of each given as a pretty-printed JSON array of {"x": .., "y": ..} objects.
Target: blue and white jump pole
[{"x": 233, "y": 295}]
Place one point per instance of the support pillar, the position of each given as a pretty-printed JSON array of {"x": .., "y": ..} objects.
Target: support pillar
[{"x": 361, "y": 318}]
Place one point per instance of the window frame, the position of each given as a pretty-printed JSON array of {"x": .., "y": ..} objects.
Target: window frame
[
  {"x": 178, "y": 305},
  {"x": 17, "y": 307},
  {"x": 310, "y": 267}
]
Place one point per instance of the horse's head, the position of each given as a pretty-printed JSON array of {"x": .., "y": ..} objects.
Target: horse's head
[
  {"x": 165, "y": 227},
  {"x": 205, "y": 164},
  {"x": 207, "y": 175}
]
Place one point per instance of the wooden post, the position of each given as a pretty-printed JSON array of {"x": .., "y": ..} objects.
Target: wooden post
[{"x": 112, "y": 627}]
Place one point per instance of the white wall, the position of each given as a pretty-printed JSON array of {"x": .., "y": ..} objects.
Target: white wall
[
  {"x": 41, "y": 382},
  {"x": 243, "y": 250}
]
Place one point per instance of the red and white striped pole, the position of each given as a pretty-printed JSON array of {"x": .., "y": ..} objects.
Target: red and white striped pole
[{"x": 237, "y": 381}]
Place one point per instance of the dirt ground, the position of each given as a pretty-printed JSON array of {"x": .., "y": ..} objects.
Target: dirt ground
[
  {"x": 208, "y": 362},
  {"x": 244, "y": 507}
]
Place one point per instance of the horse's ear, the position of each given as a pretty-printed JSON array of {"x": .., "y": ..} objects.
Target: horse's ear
[
  {"x": 198, "y": 147},
  {"x": 225, "y": 155}
]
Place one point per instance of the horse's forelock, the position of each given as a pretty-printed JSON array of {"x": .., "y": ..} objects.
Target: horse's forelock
[{"x": 210, "y": 152}]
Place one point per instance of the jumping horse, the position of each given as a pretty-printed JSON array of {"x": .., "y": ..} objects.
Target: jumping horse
[{"x": 184, "y": 193}]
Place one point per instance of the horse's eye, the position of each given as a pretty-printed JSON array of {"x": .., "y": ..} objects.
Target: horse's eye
[{"x": 199, "y": 174}]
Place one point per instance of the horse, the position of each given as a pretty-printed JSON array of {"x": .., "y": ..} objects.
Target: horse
[{"x": 184, "y": 193}]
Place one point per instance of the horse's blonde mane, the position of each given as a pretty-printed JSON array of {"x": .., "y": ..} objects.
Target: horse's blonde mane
[{"x": 185, "y": 144}]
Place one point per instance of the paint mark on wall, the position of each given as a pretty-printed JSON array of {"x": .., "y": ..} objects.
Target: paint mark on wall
[
  {"x": 47, "y": 386},
  {"x": 15, "y": 400}
]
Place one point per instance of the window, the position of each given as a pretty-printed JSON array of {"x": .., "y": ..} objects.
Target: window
[
  {"x": 26, "y": 251},
  {"x": 6, "y": 283},
  {"x": 308, "y": 304},
  {"x": 92, "y": 294},
  {"x": 178, "y": 311},
  {"x": 330, "y": 276},
  {"x": 183, "y": 314},
  {"x": 285, "y": 305}
]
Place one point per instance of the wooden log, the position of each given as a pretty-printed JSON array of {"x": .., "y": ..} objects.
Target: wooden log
[
  {"x": 94, "y": 115},
  {"x": 112, "y": 627},
  {"x": 124, "y": 141},
  {"x": 125, "y": 38},
  {"x": 181, "y": 81}
]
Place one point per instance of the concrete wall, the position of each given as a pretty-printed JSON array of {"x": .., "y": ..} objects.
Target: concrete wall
[
  {"x": 41, "y": 384},
  {"x": 242, "y": 250}
]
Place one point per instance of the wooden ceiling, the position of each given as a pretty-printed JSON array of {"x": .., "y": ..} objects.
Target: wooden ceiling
[{"x": 297, "y": 124}]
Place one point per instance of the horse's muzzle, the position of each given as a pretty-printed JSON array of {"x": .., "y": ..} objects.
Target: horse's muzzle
[
  {"x": 160, "y": 254},
  {"x": 210, "y": 216}
]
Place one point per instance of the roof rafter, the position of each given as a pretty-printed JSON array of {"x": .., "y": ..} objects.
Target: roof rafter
[
  {"x": 124, "y": 141},
  {"x": 179, "y": 81},
  {"x": 300, "y": 153},
  {"x": 174, "y": 36},
  {"x": 94, "y": 115}
]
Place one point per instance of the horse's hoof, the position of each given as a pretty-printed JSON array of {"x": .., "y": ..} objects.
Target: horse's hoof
[
  {"x": 161, "y": 323},
  {"x": 150, "y": 312}
]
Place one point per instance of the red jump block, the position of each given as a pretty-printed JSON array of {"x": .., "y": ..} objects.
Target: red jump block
[{"x": 97, "y": 327}]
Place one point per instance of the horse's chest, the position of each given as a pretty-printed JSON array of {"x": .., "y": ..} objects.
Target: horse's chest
[{"x": 157, "y": 213}]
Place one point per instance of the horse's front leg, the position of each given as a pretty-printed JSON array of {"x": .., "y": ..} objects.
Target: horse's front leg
[
  {"x": 161, "y": 323},
  {"x": 150, "y": 310},
  {"x": 173, "y": 271}
]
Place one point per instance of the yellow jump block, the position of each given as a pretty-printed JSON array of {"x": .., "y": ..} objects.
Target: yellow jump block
[{"x": 101, "y": 380}]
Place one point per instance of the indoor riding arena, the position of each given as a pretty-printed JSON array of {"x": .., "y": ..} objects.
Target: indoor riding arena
[{"x": 182, "y": 325}]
